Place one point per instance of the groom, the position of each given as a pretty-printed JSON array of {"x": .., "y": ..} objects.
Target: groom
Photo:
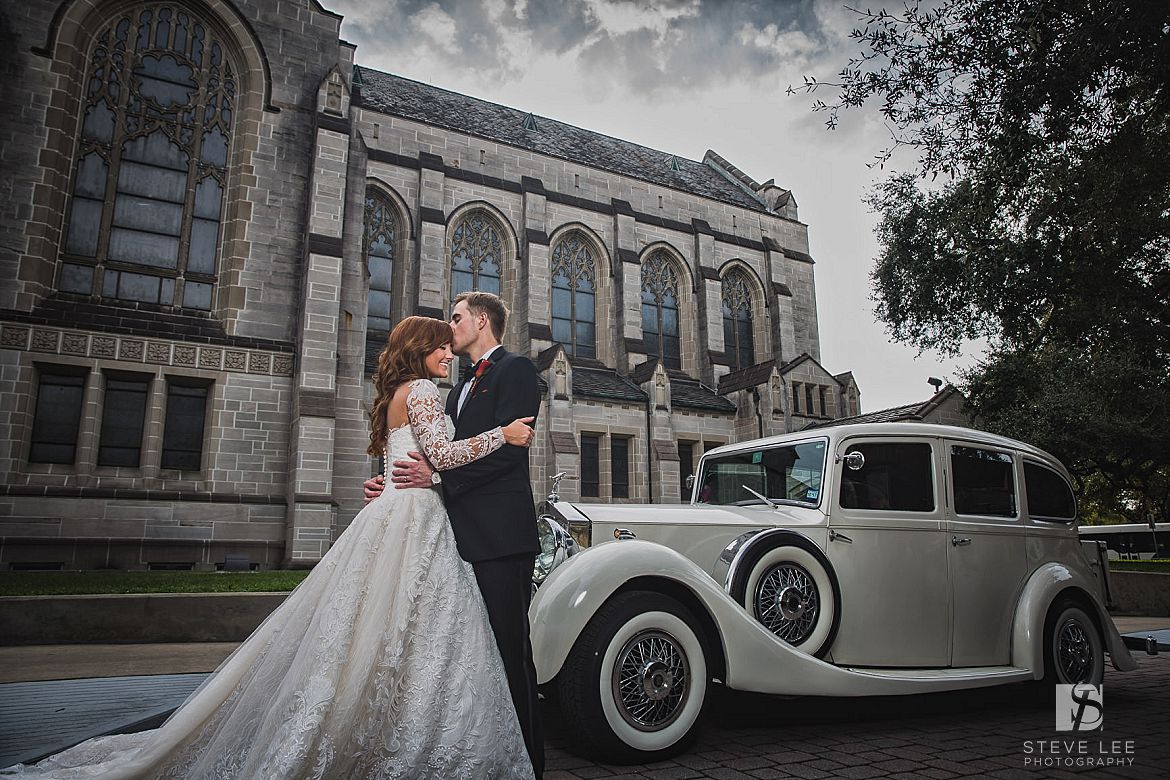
[{"x": 490, "y": 500}]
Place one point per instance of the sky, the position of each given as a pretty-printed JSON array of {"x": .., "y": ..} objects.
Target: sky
[{"x": 685, "y": 76}]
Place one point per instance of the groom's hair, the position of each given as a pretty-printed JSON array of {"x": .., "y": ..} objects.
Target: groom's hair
[{"x": 491, "y": 305}]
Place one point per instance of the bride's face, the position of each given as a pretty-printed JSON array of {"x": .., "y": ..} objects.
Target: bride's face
[{"x": 439, "y": 361}]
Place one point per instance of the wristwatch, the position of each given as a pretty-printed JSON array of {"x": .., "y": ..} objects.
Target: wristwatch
[{"x": 435, "y": 478}]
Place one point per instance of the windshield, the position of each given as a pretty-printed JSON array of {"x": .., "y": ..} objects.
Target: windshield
[{"x": 791, "y": 473}]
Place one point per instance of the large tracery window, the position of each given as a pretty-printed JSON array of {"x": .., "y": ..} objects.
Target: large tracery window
[
  {"x": 737, "y": 320},
  {"x": 152, "y": 160},
  {"x": 380, "y": 227},
  {"x": 660, "y": 309},
  {"x": 476, "y": 256},
  {"x": 574, "y": 310}
]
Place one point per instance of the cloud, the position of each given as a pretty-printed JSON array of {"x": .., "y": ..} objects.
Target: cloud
[{"x": 655, "y": 47}]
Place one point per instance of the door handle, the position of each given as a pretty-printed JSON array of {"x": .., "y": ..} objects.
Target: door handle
[
  {"x": 960, "y": 541},
  {"x": 837, "y": 536}
]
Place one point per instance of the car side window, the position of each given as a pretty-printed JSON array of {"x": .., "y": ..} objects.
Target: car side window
[
  {"x": 895, "y": 476},
  {"x": 983, "y": 482},
  {"x": 1049, "y": 496}
]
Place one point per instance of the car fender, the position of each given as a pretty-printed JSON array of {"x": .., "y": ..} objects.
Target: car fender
[
  {"x": 1042, "y": 589},
  {"x": 756, "y": 659}
]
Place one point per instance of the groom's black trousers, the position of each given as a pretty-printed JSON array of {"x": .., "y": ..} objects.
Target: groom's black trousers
[{"x": 506, "y": 584}]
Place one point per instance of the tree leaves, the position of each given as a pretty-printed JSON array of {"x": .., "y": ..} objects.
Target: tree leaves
[{"x": 1037, "y": 215}]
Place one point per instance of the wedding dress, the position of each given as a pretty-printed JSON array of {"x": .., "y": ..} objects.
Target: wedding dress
[{"x": 381, "y": 664}]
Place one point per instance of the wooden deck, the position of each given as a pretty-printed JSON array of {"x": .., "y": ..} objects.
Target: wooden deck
[{"x": 38, "y": 719}]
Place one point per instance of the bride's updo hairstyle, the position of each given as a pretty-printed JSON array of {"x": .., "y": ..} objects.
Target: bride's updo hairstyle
[{"x": 403, "y": 359}]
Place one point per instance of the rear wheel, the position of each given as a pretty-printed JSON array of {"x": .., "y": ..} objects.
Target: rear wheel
[
  {"x": 1073, "y": 650},
  {"x": 635, "y": 682}
]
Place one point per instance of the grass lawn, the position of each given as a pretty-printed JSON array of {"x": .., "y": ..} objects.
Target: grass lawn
[
  {"x": 61, "y": 583},
  {"x": 1157, "y": 565}
]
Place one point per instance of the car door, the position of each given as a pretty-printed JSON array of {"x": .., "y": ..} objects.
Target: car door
[
  {"x": 888, "y": 547},
  {"x": 986, "y": 551}
]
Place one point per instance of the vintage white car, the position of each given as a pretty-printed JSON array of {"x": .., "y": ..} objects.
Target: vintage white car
[{"x": 857, "y": 560}]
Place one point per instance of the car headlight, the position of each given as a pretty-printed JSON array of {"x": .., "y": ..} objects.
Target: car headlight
[{"x": 556, "y": 545}]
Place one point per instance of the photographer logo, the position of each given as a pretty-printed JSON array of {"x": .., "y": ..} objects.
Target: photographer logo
[{"x": 1079, "y": 707}]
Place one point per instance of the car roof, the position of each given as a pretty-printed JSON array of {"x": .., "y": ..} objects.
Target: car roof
[{"x": 839, "y": 432}]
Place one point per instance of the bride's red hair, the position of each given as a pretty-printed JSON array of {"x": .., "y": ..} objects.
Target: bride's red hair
[{"x": 403, "y": 359}]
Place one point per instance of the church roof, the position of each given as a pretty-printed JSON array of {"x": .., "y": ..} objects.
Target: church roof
[
  {"x": 696, "y": 395},
  {"x": 605, "y": 383},
  {"x": 398, "y": 96},
  {"x": 907, "y": 412}
]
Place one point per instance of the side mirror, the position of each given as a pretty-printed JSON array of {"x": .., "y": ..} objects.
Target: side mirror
[
  {"x": 854, "y": 461},
  {"x": 690, "y": 481}
]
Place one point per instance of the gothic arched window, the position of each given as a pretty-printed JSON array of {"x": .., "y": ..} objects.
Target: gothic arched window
[
  {"x": 379, "y": 234},
  {"x": 574, "y": 308},
  {"x": 737, "y": 320},
  {"x": 476, "y": 259},
  {"x": 660, "y": 310},
  {"x": 152, "y": 161}
]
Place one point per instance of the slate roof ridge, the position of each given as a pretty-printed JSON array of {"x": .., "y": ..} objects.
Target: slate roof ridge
[
  {"x": 735, "y": 176},
  {"x": 748, "y": 376}
]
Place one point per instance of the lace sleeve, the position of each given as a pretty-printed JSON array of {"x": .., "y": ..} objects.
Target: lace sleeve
[{"x": 429, "y": 424}]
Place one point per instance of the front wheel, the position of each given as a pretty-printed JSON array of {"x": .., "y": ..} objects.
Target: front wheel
[
  {"x": 1073, "y": 651},
  {"x": 634, "y": 684}
]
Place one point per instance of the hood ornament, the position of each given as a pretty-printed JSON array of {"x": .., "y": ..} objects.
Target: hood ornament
[{"x": 554, "y": 493}]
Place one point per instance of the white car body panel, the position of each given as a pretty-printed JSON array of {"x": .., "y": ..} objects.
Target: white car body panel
[
  {"x": 756, "y": 659},
  {"x": 930, "y": 600}
]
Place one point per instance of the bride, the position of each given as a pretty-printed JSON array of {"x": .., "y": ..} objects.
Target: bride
[{"x": 381, "y": 664}]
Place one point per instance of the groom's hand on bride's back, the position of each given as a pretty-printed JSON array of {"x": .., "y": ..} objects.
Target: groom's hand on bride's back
[
  {"x": 373, "y": 487},
  {"x": 413, "y": 473}
]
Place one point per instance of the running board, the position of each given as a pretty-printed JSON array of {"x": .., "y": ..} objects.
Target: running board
[{"x": 980, "y": 675}]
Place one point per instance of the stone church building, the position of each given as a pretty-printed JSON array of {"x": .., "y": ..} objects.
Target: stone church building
[{"x": 211, "y": 217}]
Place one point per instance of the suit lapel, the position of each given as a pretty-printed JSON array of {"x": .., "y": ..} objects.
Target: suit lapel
[{"x": 481, "y": 385}]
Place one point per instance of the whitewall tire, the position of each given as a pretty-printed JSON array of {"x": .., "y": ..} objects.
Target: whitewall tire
[
  {"x": 635, "y": 682},
  {"x": 790, "y": 591}
]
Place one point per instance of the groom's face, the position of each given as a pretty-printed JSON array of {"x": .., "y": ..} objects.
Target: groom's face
[{"x": 463, "y": 328}]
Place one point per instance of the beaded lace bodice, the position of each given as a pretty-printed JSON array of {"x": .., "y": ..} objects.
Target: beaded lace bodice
[{"x": 427, "y": 429}]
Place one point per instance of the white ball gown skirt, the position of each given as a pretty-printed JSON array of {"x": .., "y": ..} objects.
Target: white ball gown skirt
[{"x": 381, "y": 664}]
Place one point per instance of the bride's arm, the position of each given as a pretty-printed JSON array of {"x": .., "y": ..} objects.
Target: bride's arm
[{"x": 429, "y": 424}]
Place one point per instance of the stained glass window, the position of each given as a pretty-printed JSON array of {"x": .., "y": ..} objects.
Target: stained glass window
[
  {"x": 476, "y": 256},
  {"x": 660, "y": 310},
  {"x": 152, "y": 161},
  {"x": 574, "y": 307},
  {"x": 379, "y": 242},
  {"x": 737, "y": 320}
]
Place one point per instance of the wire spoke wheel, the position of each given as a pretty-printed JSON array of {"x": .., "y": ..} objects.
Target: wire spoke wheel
[
  {"x": 787, "y": 602},
  {"x": 650, "y": 680}
]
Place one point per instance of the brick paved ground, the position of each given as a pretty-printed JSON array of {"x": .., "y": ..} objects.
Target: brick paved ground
[{"x": 963, "y": 734}]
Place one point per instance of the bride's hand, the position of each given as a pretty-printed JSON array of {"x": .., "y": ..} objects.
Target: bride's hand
[{"x": 518, "y": 433}]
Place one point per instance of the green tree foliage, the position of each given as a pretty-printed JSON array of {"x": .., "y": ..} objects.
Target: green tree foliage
[{"x": 1036, "y": 217}]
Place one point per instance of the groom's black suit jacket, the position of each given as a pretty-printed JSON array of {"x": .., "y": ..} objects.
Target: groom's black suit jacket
[{"x": 490, "y": 500}]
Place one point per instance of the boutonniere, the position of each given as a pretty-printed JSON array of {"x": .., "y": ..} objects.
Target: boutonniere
[{"x": 482, "y": 368}]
